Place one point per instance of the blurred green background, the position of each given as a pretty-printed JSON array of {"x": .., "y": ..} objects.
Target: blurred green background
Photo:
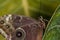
[
  {"x": 47, "y": 7},
  {"x": 31, "y": 8}
]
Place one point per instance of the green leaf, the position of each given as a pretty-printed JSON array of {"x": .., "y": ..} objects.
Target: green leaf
[
  {"x": 2, "y": 38},
  {"x": 53, "y": 28}
]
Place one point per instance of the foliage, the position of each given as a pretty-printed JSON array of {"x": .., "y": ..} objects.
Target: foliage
[{"x": 53, "y": 28}]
